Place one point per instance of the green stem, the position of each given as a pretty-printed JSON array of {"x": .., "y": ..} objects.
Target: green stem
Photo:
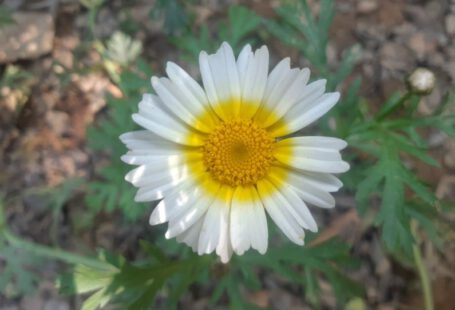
[
  {"x": 41, "y": 250},
  {"x": 423, "y": 273},
  {"x": 92, "y": 22},
  {"x": 394, "y": 107}
]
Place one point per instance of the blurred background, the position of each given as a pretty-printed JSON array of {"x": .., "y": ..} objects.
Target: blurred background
[{"x": 72, "y": 72}]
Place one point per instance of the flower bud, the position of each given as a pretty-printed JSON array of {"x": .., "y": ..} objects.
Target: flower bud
[{"x": 421, "y": 81}]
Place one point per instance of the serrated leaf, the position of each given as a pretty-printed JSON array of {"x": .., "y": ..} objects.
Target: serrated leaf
[
  {"x": 391, "y": 103},
  {"x": 368, "y": 186},
  {"x": 6, "y": 16},
  {"x": 123, "y": 49},
  {"x": 419, "y": 189},
  {"x": 427, "y": 219},
  {"x": 350, "y": 57},
  {"x": 19, "y": 270},
  {"x": 242, "y": 22},
  {"x": 400, "y": 142},
  {"x": 174, "y": 13},
  {"x": 287, "y": 259},
  {"x": 344, "y": 287},
  {"x": 131, "y": 82},
  {"x": 96, "y": 300},
  {"x": 153, "y": 251},
  {"x": 91, "y": 4}
]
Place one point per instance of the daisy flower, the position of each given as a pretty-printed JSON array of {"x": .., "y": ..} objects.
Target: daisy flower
[{"x": 219, "y": 157}]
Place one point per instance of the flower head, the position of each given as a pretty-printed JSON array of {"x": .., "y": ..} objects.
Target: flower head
[
  {"x": 220, "y": 157},
  {"x": 421, "y": 81}
]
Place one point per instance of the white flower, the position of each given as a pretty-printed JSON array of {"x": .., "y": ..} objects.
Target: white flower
[
  {"x": 421, "y": 81},
  {"x": 217, "y": 159}
]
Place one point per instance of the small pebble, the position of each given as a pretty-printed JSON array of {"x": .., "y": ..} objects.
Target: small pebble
[
  {"x": 367, "y": 6},
  {"x": 450, "y": 24}
]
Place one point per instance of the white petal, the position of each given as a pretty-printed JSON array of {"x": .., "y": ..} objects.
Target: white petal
[
  {"x": 283, "y": 99},
  {"x": 187, "y": 84},
  {"x": 207, "y": 77},
  {"x": 183, "y": 221},
  {"x": 248, "y": 221},
  {"x": 261, "y": 57},
  {"x": 147, "y": 140},
  {"x": 314, "y": 196},
  {"x": 153, "y": 192},
  {"x": 221, "y": 80},
  {"x": 211, "y": 229},
  {"x": 295, "y": 206},
  {"x": 168, "y": 169},
  {"x": 154, "y": 117},
  {"x": 224, "y": 248},
  {"x": 259, "y": 231},
  {"x": 243, "y": 61},
  {"x": 155, "y": 181},
  {"x": 253, "y": 81},
  {"x": 323, "y": 181},
  {"x": 231, "y": 69},
  {"x": 312, "y": 159},
  {"x": 274, "y": 92},
  {"x": 178, "y": 200},
  {"x": 301, "y": 152},
  {"x": 320, "y": 165},
  {"x": 309, "y": 94},
  {"x": 182, "y": 106},
  {"x": 314, "y": 142},
  {"x": 311, "y": 187},
  {"x": 277, "y": 74},
  {"x": 144, "y": 158},
  {"x": 191, "y": 236},
  {"x": 240, "y": 223},
  {"x": 279, "y": 214},
  {"x": 296, "y": 120}
]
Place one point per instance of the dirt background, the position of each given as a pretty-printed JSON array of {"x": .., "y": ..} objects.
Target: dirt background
[{"x": 42, "y": 137}]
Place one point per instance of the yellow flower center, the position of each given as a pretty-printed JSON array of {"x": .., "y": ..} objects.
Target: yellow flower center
[{"x": 238, "y": 152}]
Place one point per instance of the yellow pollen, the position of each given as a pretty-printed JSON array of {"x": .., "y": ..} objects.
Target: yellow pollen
[{"x": 238, "y": 152}]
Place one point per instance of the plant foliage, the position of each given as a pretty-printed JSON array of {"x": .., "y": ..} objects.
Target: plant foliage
[
  {"x": 110, "y": 191},
  {"x": 240, "y": 24},
  {"x": 384, "y": 145},
  {"x": 387, "y": 140}
]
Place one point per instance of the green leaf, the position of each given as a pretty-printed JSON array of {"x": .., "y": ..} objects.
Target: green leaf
[
  {"x": 302, "y": 264},
  {"x": 367, "y": 187},
  {"x": 311, "y": 286},
  {"x": 300, "y": 28},
  {"x": 6, "y": 16},
  {"x": 123, "y": 49},
  {"x": 96, "y": 300},
  {"x": 131, "y": 82},
  {"x": 389, "y": 170},
  {"x": 192, "y": 43},
  {"x": 19, "y": 274},
  {"x": 392, "y": 102},
  {"x": 419, "y": 189},
  {"x": 174, "y": 13},
  {"x": 92, "y": 4},
  {"x": 348, "y": 61},
  {"x": 242, "y": 22},
  {"x": 404, "y": 143},
  {"x": 326, "y": 14},
  {"x": 153, "y": 251},
  {"x": 395, "y": 231},
  {"x": 344, "y": 287},
  {"x": 110, "y": 191},
  {"x": 428, "y": 218},
  {"x": 131, "y": 285}
]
